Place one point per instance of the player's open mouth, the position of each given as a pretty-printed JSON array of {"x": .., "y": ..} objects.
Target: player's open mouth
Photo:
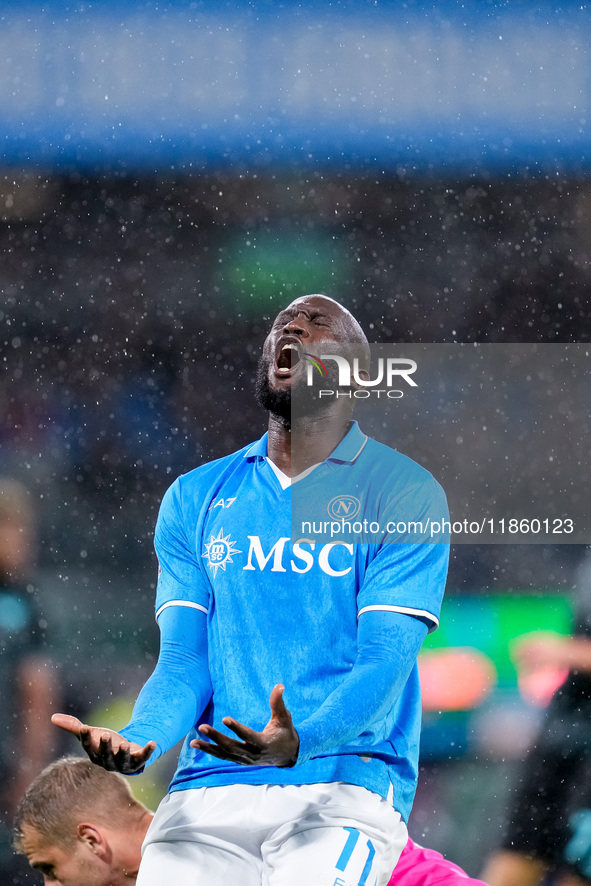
[{"x": 287, "y": 358}]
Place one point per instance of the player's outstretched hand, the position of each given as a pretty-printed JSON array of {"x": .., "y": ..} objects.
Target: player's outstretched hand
[
  {"x": 105, "y": 747},
  {"x": 276, "y": 745}
]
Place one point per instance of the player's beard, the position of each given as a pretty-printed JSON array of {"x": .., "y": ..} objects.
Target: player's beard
[
  {"x": 280, "y": 403},
  {"x": 276, "y": 402}
]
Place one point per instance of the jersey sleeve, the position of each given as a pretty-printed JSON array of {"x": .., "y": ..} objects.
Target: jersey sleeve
[
  {"x": 409, "y": 569},
  {"x": 181, "y": 579},
  {"x": 388, "y": 645},
  {"x": 176, "y": 694}
]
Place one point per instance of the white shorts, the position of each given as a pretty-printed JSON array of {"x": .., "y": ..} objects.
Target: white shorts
[{"x": 273, "y": 835}]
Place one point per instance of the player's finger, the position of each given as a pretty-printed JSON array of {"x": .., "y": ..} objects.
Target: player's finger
[
  {"x": 116, "y": 756},
  {"x": 277, "y": 703},
  {"x": 138, "y": 758},
  {"x": 144, "y": 753},
  {"x": 125, "y": 761},
  {"x": 106, "y": 753},
  {"x": 244, "y": 732},
  {"x": 223, "y": 741},
  {"x": 90, "y": 742},
  {"x": 208, "y": 748},
  {"x": 67, "y": 722}
]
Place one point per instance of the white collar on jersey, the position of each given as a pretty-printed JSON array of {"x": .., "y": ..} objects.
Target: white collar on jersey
[{"x": 284, "y": 480}]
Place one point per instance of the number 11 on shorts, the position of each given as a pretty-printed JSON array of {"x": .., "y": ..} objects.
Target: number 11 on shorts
[{"x": 352, "y": 839}]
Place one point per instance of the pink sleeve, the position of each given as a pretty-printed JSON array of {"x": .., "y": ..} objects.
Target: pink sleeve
[{"x": 426, "y": 867}]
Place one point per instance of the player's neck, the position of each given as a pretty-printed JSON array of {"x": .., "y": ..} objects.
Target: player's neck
[
  {"x": 130, "y": 853},
  {"x": 296, "y": 449}
]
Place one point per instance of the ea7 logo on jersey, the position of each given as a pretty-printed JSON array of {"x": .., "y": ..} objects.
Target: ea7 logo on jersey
[
  {"x": 221, "y": 503},
  {"x": 219, "y": 551}
]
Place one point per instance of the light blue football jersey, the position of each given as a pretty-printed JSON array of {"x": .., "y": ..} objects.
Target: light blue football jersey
[{"x": 283, "y": 611}]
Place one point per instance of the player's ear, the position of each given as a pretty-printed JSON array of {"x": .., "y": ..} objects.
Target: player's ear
[
  {"x": 361, "y": 358},
  {"x": 93, "y": 839},
  {"x": 362, "y": 374}
]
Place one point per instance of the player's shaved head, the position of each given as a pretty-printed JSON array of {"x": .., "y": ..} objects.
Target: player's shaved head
[{"x": 351, "y": 327}]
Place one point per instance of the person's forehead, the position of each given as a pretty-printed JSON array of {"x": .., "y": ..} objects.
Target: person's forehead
[
  {"x": 35, "y": 847},
  {"x": 30, "y": 838},
  {"x": 319, "y": 302}
]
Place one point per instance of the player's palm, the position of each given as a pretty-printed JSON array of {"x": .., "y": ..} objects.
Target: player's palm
[
  {"x": 105, "y": 747},
  {"x": 276, "y": 745}
]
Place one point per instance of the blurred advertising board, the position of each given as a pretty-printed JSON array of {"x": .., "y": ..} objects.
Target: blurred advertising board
[{"x": 469, "y": 676}]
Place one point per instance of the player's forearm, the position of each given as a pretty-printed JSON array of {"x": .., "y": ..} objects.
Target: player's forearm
[
  {"x": 179, "y": 690},
  {"x": 346, "y": 713},
  {"x": 388, "y": 647},
  {"x": 578, "y": 656},
  {"x": 165, "y": 711}
]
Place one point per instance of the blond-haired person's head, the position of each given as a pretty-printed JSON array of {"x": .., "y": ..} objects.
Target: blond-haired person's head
[{"x": 81, "y": 826}]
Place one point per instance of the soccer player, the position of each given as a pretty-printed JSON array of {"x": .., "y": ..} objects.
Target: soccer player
[
  {"x": 80, "y": 826},
  {"x": 322, "y": 790},
  {"x": 419, "y": 866},
  {"x": 548, "y": 828}
]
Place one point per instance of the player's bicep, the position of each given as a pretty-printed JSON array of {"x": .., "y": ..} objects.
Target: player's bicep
[
  {"x": 408, "y": 572},
  {"x": 184, "y": 650},
  {"x": 184, "y": 627},
  {"x": 406, "y": 579}
]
